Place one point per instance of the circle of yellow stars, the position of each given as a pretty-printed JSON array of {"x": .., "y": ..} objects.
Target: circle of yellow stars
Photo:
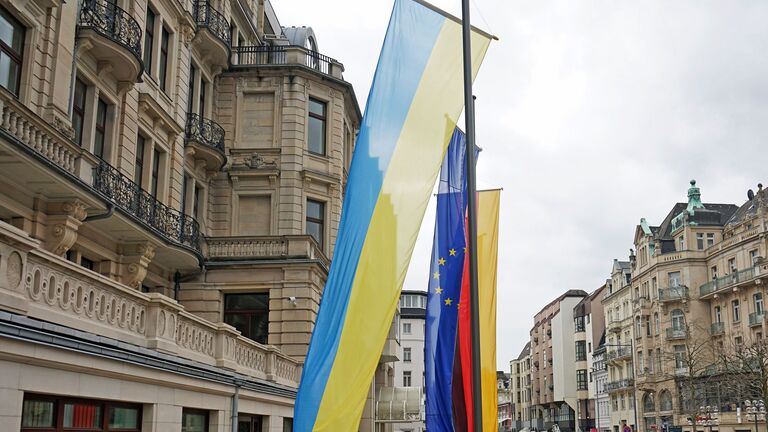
[{"x": 436, "y": 275}]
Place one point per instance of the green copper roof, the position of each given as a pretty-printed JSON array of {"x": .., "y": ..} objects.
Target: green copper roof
[
  {"x": 645, "y": 227},
  {"x": 694, "y": 198}
]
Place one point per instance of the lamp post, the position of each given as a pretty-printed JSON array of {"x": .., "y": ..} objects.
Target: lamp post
[
  {"x": 708, "y": 416},
  {"x": 755, "y": 411}
]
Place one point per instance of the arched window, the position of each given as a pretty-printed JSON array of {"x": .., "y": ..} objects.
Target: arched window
[
  {"x": 656, "y": 322},
  {"x": 665, "y": 401},
  {"x": 678, "y": 319},
  {"x": 649, "y": 405}
]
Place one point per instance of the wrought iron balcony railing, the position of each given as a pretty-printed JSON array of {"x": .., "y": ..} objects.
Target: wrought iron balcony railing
[
  {"x": 717, "y": 328},
  {"x": 756, "y": 318},
  {"x": 109, "y": 20},
  {"x": 163, "y": 220},
  {"x": 673, "y": 293},
  {"x": 209, "y": 18},
  {"x": 283, "y": 55},
  {"x": 677, "y": 333},
  {"x": 727, "y": 280},
  {"x": 619, "y": 385},
  {"x": 205, "y": 131}
]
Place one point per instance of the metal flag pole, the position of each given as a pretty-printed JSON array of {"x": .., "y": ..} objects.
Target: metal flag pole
[{"x": 474, "y": 313}]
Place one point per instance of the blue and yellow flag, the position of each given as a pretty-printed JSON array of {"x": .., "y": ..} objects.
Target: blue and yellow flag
[
  {"x": 444, "y": 288},
  {"x": 412, "y": 108}
]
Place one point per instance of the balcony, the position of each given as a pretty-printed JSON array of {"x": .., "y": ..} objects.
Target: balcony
[
  {"x": 727, "y": 281},
  {"x": 641, "y": 303},
  {"x": 287, "y": 55},
  {"x": 213, "y": 37},
  {"x": 618, "y": 354},
  {"x": 164, "y": 221},
  {"x": 49, "y": 288},
  {"x": 614, "y": 326},
  {"x": 223, "y": 249},
  {"x": 206, "y": 140},
  {"x": 717, "y": 329},
  {"x": 622, "y": 384},
  {"x": 756, "y": 319},
  {"x": 677, "y": 293},
  {"x": 676, "y": 333},
  {"x": 112, "y": 36}
]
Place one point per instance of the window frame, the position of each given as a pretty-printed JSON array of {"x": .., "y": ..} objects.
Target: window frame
[
  {"x": 100, "y": 127},
  {"x": 407, "y": 355},
  {"x": 196, "y": 411},
  {"x": 14, "y": 56},
  {"x": 321, "y": 221},
  {"x": 249, "y": 313},
  {"x": 79, "y": 107},
  {"x": 163, "y": 58},
  {"x": 58, "y": 413},
  {"x": 149, "y": 38},
  {"x": 323, "y": 118},
  {"x": 139, "y": 159}
]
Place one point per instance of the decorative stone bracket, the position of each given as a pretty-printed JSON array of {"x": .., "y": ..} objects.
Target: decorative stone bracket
[
  {"x": 136, "y": 260},
  {"x": 63, "y": 221}
]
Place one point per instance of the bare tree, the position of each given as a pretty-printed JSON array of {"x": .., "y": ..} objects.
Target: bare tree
[{"x": 746, "y": 366}]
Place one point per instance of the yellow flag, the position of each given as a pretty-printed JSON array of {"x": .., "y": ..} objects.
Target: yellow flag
[{"x": 487, "y": 259}]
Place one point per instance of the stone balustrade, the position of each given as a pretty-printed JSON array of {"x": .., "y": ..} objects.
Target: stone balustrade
[
  {"x": 264, "y": 247},
  {"x": 44, "y": 286}
]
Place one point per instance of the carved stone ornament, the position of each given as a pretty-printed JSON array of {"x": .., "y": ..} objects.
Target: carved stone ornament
[
  {"x": 136, "y": 262},
  {"x": 64, "y": 219},
  {"x": 64, "y": 127}
]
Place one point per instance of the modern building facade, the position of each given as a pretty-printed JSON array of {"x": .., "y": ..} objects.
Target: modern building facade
[
  {"x": 617, "y": 305},
  {"x": 171, "y": 185},
  {"x": 520, "y": 383},
  {"x": 589, "y": 327},
  {"x": 553, "y": 356}
]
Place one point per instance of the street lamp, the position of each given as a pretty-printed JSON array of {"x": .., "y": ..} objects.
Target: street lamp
[
  {"x": 708, "y": 416},
  {"x": 755, "y": 411}
]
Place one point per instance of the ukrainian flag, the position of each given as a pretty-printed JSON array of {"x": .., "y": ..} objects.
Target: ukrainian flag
[{"x": 413, "y": 106}]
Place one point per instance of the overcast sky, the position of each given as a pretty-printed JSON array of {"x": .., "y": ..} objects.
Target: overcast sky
[{"x": 591, "y": 115}]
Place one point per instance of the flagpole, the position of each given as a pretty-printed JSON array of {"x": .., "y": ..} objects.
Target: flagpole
[{"x": 474, "y": 313}]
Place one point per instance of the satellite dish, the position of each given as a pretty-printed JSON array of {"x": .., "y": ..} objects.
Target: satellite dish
[{"x": 750, "y": 194}]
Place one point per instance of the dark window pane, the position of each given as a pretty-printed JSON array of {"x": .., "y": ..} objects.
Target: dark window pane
[
  {"x": 259, "y": 327},
  {"x": 316, "y": 220},
  {"x": 238, "y": 321},
  {"x": 190, "y": 94},
  {"x": 101, "y": 128},
  {"x": 36, "y": 413},
  {"x": 82, "y": 415},
  {"x": 315, "y": 209},
  {"x": 287, "y": 424},
  {"x": 138, "y": 172},
  {"x": 11, "y": 51},
  {"x": 316, "y": 129},
  {"x": 201, "y": 108},
  {"x": 155, "y": 171},
  {"x": 164, "y": 36},
  {"x": 259, "y": 302},
  {"x": 149, "y": 40},
  {"x": 194, "y": 422},
  {"x": 316, "y": 231},
  {"x": 78, "y": 110},
  {"x": 123, "y": 418},
  {"x": 85, "y": 262}
]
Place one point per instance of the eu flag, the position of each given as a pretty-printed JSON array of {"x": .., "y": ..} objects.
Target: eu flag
[{"x": 445, "y": 286}]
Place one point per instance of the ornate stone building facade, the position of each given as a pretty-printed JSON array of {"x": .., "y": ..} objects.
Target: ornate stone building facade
[
  {"x": 520, "y": 383},
  {"x": 171, "y": 180}
]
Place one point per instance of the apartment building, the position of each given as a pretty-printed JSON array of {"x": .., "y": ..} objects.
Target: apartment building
[
  {"x": 553, "y": 356},
  {"x": 505, "y": 405},
  {"x": 171, "y": 186},
  {"x": 589, "y": 327},
  {"x": 617, "y": 305},
  {"x": 409, "y": 369},
  {"x": 520, "y": 384},
  {"x": 698, "y": 292},
  {"x": 600, "y": 378}
]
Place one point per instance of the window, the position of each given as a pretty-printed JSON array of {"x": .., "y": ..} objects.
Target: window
[
  {"x": 138, "y": 168},
  {"x": 407, "y": 355},
  {"x": 191, "y": 90},
  {"x": 710, "y": 239},
  {"x": 640, "y": 362},
  {"x": 681, "y": 243},
  {"x": 155, "y": 172},
  {"x": 11, "y": 51},
  {"x": 287, "y": 424},
  {"x": 201, "y": 99},
  {"x": 718, "y": 315},
  {"x": 581, "y": 350},
  {"x": 579, "y": 323},
  {"x": 680, "y": 356},
  {"x": 249, "y": 423},
  {"x": 713, "y": 271},
  {"x": 753, "y": 257},
  {"x": 101, "y": 128},
  {"x": 738, "y": 341},
  {"x": 678, "y": 320},
  {"x": 59, "y": 414},
  {"x": 732, "y": 265},
  {"x": 758, "y": 300},
  {"x": 736, "y": 308},
  {"x": 248, "y": 313},
  {"x": 674, "y": 279},
  {"x": 406, "y": 328},
  {"x": 638, "y": 327},
  {"x": 700, "y": 241},
  {"x": 665, "y": 401},
  {"x": 194, "y": 420},
  {"x": 164, "y": 37},
  {"x": 185, "y": 181},
  {"x": 650, "y": 361},
  {"x": 86, "y": 263},
  {"x": 581, "y": 379},
  {"x": 78, "y": 110},
  {"x": 316, "y": 220},
  {"x": 317, "y": 118},
  {"x": 406, "y": 378},
  {"x": 149, "y": 39}
]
